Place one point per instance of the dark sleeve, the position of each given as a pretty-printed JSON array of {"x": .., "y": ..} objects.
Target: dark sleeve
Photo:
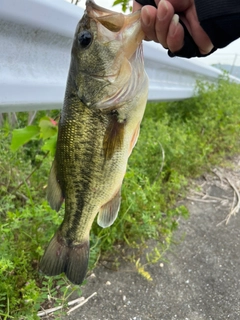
[{"x": 220, "y": 19}]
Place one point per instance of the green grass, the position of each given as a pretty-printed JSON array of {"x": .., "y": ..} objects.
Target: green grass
[{"x": 178, "y": 141}]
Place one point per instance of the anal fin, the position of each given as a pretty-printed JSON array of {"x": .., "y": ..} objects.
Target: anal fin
[
  {"x": 54, "y": 192},
  {"x": 109, "y": 211}
]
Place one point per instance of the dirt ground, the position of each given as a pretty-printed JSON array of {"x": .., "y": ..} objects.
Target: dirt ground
[{"x": 200, "y": 276}]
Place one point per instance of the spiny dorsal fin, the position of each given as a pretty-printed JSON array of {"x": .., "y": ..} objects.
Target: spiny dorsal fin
[
  {"x": 109, "y": 211},
  {"x": 54, "y": 192}
]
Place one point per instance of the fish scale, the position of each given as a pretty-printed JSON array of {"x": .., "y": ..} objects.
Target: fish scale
[{"x": 104, "y": 104}]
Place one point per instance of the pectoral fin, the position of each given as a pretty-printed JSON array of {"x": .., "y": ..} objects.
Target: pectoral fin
[
  {"x": 113, "y": 138},
  {"x": 109, "y": 211},
  {"x": 134, "y": 139},
  {"x": 54, "y": 192}
]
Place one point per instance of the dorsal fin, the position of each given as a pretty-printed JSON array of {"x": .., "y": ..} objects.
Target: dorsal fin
[{"x": 109, "y": 211}]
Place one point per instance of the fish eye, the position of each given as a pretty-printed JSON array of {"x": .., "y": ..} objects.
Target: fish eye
[{"x": 85, "y": 38}]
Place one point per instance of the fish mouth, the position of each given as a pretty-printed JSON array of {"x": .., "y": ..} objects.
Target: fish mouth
[{"x": 124, "y": 27}]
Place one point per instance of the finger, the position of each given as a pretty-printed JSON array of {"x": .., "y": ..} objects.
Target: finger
[
  {"x": 199, "y": 35},
  {"x": 148, "y": 18},
  {"x": 203, "y": 42},
  {"x": 136, "y": 6},
  {"x": 165, "y": 13},
  {"x": 175, "y": 37}
]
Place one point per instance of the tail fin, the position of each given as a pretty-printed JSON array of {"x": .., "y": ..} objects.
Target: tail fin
[{"x": 73, "y": 260}]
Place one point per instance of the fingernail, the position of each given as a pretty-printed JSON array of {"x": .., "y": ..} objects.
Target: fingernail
[
  {"x": 162, "y": 10},
  {"x": 173, "y": 25},
  {"x": 146, "y": 19}
]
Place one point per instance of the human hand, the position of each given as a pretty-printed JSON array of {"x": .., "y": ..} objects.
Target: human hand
[{"x": 161, "y": 24}]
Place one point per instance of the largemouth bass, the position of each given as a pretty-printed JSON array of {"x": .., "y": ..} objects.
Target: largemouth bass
[{"x": 104, "y": 103}]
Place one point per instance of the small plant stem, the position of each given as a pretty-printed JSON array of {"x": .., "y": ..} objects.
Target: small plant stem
[
  {"x": 81, "y": 303},
  {"x": 162, "y": 164},
  {"x": 31, "y": 173}
]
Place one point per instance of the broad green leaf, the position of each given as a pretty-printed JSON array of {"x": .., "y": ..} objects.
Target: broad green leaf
[
  {"x": 48, "y": 128},
  {"x": 125, "y": 4},
  {"x": 116, "y": 2},
  {"x": 23, "y": 135},
  {"x": 50, "y": 145}
]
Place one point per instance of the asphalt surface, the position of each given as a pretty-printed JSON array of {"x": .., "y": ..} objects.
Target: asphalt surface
[{"x": 200, "y": 277}]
